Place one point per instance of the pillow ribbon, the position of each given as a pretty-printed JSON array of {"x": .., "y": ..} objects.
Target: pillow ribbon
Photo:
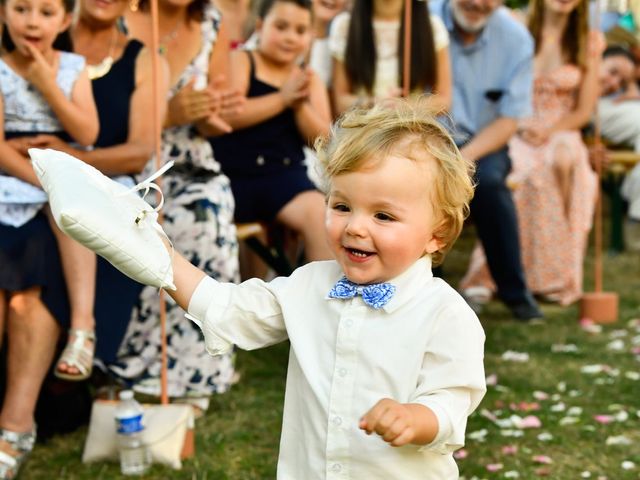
[{"x": 146, "y": 185}]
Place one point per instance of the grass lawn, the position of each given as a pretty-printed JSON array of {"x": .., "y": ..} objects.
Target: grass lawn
[{"x": 577, "y": 394}]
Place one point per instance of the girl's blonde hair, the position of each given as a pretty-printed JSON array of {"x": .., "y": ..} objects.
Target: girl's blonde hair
[
  {"x": 575, "y": 37},
  {"x": 362, "y": 136}
]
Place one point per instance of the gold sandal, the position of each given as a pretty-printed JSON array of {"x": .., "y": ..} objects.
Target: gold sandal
[
  {"x": 77, "y": 354},
  {"x": 20, "y": 445}
]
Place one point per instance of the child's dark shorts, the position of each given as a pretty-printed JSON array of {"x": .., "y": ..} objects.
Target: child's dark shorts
[{"x": 259, "y": 198}]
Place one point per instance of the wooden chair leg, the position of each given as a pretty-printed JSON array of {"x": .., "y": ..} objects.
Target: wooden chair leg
[{"x": 272, "y": 255}]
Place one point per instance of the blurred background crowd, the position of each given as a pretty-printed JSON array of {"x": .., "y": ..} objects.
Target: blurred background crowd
[{"x": 243, "y": 89}]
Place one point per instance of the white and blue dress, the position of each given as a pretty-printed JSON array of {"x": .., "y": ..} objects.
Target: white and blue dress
[{"x": 28, "y": 249}]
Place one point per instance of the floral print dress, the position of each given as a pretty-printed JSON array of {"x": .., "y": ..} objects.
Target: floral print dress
[
  {"x": 553, "y": 241},
  {"x": 198, "y": 217}
]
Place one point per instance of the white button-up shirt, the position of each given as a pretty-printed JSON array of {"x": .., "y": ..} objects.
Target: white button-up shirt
[{"x": 425, "y": 346}]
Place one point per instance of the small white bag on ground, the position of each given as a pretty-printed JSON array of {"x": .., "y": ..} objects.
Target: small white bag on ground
[
  {"x": 105, "y": 216},
  {"x": 165, "y": 433}
]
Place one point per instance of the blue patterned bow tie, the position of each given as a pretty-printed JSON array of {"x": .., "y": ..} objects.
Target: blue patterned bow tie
[{"x": 376, "y": 295}]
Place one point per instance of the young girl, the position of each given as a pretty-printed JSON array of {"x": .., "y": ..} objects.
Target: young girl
[
  {"x": 287, "y": 107},
  {"x": 43, "y": 90},
  {"x": 554, "y": 185},
  {"x": 367, "y": 45}
]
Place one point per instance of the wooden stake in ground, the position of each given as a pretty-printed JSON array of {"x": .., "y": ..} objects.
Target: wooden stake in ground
[
  {"x": 599, "y": 306},
  {"x": 188, "y": 446},
  {"x": 406, "y": 57}
]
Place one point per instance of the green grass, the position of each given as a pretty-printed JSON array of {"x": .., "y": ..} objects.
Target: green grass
[{"x": 238, "y": 437}]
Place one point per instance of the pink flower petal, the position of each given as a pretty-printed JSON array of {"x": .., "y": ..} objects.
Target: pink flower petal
[
  {"x": 542, "y": 459},
  {"x": 529, "y": 406},
  {"x": 538, "y": 395},
  {"x": 494, "y": 467},
  {"x": 509, "y": 449},
  {"x": 604, "y": 419},
  {"x": 530, "y": 421},
  {"x": 460, "y": 454}
]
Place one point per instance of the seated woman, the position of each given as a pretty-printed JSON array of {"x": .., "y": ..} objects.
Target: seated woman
[
  {"x": 198, "y": 207},
  {"x": 619, "y": 112},
  {"x": 554, "y": 185},
  {"x": 287, "y": 107}
]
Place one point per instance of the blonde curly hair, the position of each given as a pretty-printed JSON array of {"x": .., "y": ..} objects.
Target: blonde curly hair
[{"x": 363, "y": 136}]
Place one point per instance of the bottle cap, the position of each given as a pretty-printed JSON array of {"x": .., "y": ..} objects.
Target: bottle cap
[{"x": 125, "y": 394}]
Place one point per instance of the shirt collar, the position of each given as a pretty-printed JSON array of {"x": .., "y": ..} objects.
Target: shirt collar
[{"x": 409, "y": 283}]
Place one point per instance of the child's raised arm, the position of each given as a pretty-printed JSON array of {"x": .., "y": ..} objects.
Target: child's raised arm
[
  {"x": 131, "y": 156},
  {"x": 186, "y": 278},
  {"x": 78, "y": 115},
  {"x": 313, "y": 115}
]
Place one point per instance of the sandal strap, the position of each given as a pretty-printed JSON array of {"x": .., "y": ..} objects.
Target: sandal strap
[
  {"x": 20, "y": 441},
  {"x": 7, "y": 461},
  {"x": 77, "y": 353},
  {"x": 10, "y": 463},
  {"x": 83, "y": 334}
]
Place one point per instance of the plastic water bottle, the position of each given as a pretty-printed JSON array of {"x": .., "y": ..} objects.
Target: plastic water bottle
[{"x": 134, "y": 454}]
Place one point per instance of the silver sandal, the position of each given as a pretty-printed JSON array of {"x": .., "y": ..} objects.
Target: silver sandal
[
  {"x": 77, "y": 354},
  {"x": 22, "y": 444}
]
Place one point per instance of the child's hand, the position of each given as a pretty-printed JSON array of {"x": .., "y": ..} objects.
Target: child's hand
[
  {"x": 296, "y": 88},
  {"x": 189, "y": 105},
  {"x": 39, "y": 72},
  {"x": 23, "y": 144},
  {"x": 20, "y": 145},
  {"x": 228, "y": 101},
  {"x": 391, "y": 420},
  {"x": 44, "y": 140}
]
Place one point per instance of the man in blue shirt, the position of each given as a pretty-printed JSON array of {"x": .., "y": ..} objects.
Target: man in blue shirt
[{"x": 492, "y": 66}]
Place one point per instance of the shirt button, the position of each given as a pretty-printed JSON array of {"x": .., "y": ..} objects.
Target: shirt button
[
  {"x": 342, "y": 372},
  {"x": 349, "y": 322},
  {"x": 260, "y": 160},
  {"x": 336, "y": 467},
  {"x": 286, "y": 161},
  {"x": 337, "y": 421}
]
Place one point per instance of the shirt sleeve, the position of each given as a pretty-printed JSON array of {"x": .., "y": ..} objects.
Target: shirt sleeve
[
  {"x": 338, "y": 35},
  {"x": 440, "y": 34},
  {"x": 248, "y": 315},
  {"x": 452, "y": 381},
  {"x": 516, "y": 102}
]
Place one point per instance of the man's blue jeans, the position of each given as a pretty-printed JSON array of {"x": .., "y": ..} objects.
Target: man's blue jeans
[{"x": 494, "y": 215}]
